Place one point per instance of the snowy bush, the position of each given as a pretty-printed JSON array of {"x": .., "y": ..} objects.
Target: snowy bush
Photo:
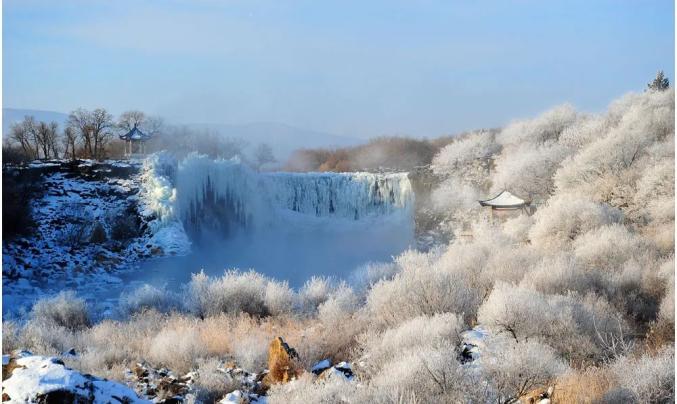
[
  {"x": 367, "y": 275},
  {"x": 342, "y": 303},
  {"x": 148, "y": 297},
  {"x": 176, "y": 348},
  {"x": 315, "y": 292},
  {"x": 566, "y": 217},
  {"x": 651, "y": 379},
  {"x": 514, "y": 368},
  {"x": 234, "y": 292},
  {"x": 65, "y": 310},
  {"x": 421, "y": 291},
  {"x": 545, "y": 128},
  {"x": 467, "y": 160},
  {"x": 441, "y": 330},
  {"x": 251, "y": 350},
  {"x": 306, "y": 390},
  {"x": 527, "y": 171},
  {"x": 453, "y": 195},
  {"x": 569, "y": 323},
  {"x": 609, "y": 247},
  {"x": 10, "y": 336},
  {"x": 212, "y": 384},
  {"x": 279, "y": 298},
  {"x": 429, "y": 374}
]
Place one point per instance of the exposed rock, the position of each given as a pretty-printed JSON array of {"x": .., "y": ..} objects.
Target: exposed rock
[
  {"x": 46, "y": 380},
  {"x": 538, "y": 396},
  {"x": 283, "y": 363},
  {"x": 160, "y": 385},
  {"x": 321, "y": 366},
  {"x": 342, "y": 369}
]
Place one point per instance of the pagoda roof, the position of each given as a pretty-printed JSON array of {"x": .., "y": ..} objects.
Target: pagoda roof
[
  {"x": 505, "y": 200},
  {"x": 135, "y": 134}
]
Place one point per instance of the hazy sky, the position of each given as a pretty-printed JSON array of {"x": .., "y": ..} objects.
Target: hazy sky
[{"x": 361, "y": 68}]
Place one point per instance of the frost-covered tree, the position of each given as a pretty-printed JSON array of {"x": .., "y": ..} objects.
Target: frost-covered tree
[
  {"x": 659, "y": 83},
  {"x": 263, "y": 154},
  {"x": 565, "y": 217}
]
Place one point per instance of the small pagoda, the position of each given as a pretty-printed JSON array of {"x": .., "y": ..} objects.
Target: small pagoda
[
  {"x": 136, "y": 141},
  {"x": 506, "y": 202}
]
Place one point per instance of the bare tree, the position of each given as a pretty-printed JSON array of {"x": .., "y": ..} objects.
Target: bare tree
[
  {"x": 78, "y": 120},
  {"x": 95, "y": 129},
  {"x": 101, "y": 123},
  {"x": 129, "y": 119},
  {"x": 70, "y": 139},
  {"x": 54, "y": 138},
  {"x": 263, "y": 155},
  {"x": 19, "y": 133},
  {"x": 46, "y": 138}
]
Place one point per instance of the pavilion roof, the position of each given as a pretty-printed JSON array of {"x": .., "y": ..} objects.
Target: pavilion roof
[
  {"x": 505, "y": 200},
  {"x": 135, "y": 134}
]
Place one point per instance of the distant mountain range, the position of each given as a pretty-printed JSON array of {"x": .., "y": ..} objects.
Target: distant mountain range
[{"x": 284, "y": 139}]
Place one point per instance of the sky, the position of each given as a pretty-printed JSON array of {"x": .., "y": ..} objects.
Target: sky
[{"x": 355, "y": 68}]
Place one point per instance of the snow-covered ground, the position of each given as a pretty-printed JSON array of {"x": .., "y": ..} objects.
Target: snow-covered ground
[
  {"x": 44, "y": 379},
  {"x": 60, "y": 253}
]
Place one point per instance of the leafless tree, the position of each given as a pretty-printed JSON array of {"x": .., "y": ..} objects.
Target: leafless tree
[
  {"x": 129, "y": 119},
  {"x": 101, "y": 124},
  {"x": 54, "y": 138},
  {"x": 20, "y": 134},
  {"x": 70, "y": 139},
  {"x": 78, "y": 120},
  {"x": 46, "y": 139},
  {"x": 94, "y": 128},
  {"x": 263, "y": 155}
]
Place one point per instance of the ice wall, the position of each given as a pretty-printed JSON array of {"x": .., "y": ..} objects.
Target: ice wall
[{"x": 158, "y": 204}]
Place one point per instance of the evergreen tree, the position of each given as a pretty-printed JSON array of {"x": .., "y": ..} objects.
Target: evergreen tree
[{"x": 660, "y": 83}]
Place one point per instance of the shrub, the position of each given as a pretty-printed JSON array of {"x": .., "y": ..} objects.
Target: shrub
[
  {"x": 566, "y": 217},
  {"x": 609, "y": 247},
  {"x": 279, "y": 298},
  {"x": 234, "y": 292},
  {"x": 212, "y": 384},
  {"x": 569, "y": 323},
  {"x": 178, "y": 348},
  {"x": 543, "y": 129},
  {"x": 652, "y": 379},
  {"x": 314, "y": 292},
  {"x": 10, "y": 336},
  {"x": 65, "y": 310},
  {"x": 421, "y": 291},
  {"x": 516, "y": 368},
  {"x": 367, "y": 275},
  {"x": 441, "y": 330},
  {"x": 250, "y": 350},
  {"x": 148, "y": 297}
]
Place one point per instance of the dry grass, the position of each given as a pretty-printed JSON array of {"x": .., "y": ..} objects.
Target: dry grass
[{"x": 584, "y": 387}]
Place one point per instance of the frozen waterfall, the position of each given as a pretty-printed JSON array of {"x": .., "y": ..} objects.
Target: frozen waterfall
[{"x": 225, "y": 195}]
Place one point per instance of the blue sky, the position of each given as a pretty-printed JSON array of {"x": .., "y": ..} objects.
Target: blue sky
[{"x": 359, "y": 68}]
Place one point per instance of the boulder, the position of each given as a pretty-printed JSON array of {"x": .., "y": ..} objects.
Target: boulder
[{"x": 283, "y": 363}]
